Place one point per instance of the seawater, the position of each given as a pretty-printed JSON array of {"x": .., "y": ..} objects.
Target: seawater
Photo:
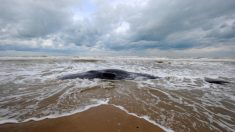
[{"x": 180, "y": 99}]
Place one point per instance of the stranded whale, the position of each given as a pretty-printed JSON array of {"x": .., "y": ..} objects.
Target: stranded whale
[
  {"x": 111, "y": 74},
  {"x": 215, "y": 81}
]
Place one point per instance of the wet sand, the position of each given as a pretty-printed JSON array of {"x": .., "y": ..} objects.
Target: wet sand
[{"x": 104, "y": 118}]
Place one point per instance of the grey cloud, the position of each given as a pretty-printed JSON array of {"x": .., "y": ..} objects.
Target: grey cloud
[
  {"x": 157, "y": 22},
  {"x": 127, "y": 25},
  {"x": 32, "y": 18},
  {"x": 224, "y": 31}
]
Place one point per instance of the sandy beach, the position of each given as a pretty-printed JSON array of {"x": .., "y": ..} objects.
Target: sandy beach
[
  {"x": 180, "y": 99},
  {"x": 104, "y": 118}
]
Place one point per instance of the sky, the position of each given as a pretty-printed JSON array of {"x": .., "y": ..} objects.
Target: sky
[{"x": 118, "y": 27}]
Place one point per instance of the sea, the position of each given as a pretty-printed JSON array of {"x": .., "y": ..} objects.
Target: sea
[{"x": 179, "y": 100}]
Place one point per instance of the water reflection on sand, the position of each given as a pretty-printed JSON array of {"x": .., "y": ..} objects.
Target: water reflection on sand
[{"x": 180, "y": 99}]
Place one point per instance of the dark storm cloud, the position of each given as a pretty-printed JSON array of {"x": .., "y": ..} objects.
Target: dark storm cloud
[
  {"x": 118, "y": 25},
  {"x": 161, "y": 20},
  {"x": 31, "y": 18}
]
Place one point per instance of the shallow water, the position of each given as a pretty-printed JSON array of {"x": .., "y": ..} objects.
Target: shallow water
[{"x": 180, "y": 99}]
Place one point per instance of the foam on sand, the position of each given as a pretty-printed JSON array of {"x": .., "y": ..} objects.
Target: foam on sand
[
  {"x": 99, "y": 102},
  {"x": 103, "y": 118}
]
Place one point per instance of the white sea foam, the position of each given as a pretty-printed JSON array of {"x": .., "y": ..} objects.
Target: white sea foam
[
  {"x": 25, "y": 84},
  {"x": 169, "y": 68},
  {"x": 147, "y": 118},
  {"x": 98, "y": 103},
  {"x": 3, "y": 121}
]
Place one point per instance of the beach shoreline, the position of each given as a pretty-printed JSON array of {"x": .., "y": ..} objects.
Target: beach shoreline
[{"x": 103, "y": 118}]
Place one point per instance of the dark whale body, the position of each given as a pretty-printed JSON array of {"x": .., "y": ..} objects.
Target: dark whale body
[
  {"x": 215, "y": 81},
  {"x": 111, "y": 74}
]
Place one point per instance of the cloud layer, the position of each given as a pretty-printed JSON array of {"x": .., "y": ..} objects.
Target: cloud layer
[{"x": 127, "y": 27}]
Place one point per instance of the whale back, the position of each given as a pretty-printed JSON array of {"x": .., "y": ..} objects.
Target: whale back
[{"x": 111, "y": 74}]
